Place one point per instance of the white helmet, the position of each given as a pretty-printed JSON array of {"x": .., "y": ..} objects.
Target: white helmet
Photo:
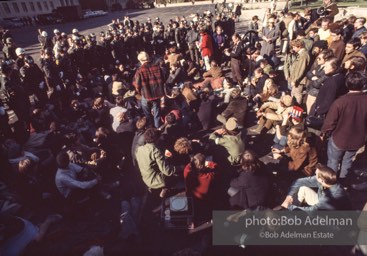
[
  {"x": 75, "y": 31},
  {"x": 74, "y": 37},
  {"x": 44, "y": 33},
  {"x": 56, "y": 31},
  {"x": 19, "y": 51}
]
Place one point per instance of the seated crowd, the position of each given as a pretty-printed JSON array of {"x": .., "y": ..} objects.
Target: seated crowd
[{"x": 172, "y": 104}]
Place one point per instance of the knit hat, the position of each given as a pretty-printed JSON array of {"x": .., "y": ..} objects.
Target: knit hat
[
  {"x": 231, "y": 124},
  {"x": 322, "y": 44},
  {"x": 287, "y": 100},
  {"x": 296, "y": 113}
]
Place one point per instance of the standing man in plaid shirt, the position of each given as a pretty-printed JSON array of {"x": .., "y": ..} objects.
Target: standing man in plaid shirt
[{"x": 148, "y": 82}]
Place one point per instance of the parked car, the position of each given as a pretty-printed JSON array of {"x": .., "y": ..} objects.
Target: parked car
[
  {"x": 91, "y": 14},
  {"x": 100, "y": 13},
  {"x": 10, "y": 24}
]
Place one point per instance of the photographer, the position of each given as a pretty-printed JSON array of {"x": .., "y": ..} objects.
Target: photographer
[{"x": 330, "y": 9}]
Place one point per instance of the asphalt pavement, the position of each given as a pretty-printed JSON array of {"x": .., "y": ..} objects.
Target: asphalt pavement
[{"x": 26, "y": 37}]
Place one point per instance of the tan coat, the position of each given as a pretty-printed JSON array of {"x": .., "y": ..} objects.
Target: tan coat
[
  {"x": 280, "y": 114},
  {"x": 304, "y": 156},
  {"x": 214, "y": 72}
]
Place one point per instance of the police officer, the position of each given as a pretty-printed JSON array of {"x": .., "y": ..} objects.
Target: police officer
[
  {"x": 57, "y": 36},
  {"x": 93, "y": 52},
  {"x": 77, "y": 56},
  {"x": 45, "y": 40},
  {"x": 33, "y": 82},
  {"x": 105, "y": 48},
  {"x": 19, "y": 62},
  {"x": 117, "y": 47},
  {"x": 52, "y": 74},
  {"x": 13, "y": 96},
  {"x": 64, "y": 64},
  {"x": 9, "y": 49}
]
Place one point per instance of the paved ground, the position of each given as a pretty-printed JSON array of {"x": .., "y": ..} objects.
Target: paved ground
[
  {"x": 103, "y": 226},
  {"x": 27, "y": 37}
]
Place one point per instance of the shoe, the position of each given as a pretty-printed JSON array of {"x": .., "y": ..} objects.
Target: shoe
[
  {"x": 255, "y": 130},
  {"x": 360, "y": 187},
  {"x": 271, "y": 131}
]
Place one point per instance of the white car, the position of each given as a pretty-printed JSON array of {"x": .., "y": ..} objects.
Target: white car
[
  {"x": 88, "y": 14},
  {"x": 100, "y": 13},
  {"x": 92, "y": 14}
]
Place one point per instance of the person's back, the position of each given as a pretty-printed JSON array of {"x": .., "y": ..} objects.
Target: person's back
[
  {"x": 66, "y": 176},
  {"x": 230, "y": 140},
  {"x": 199, "y": 182},
  {"x": 153, "y": 167},
  {"x": 236, "y": 108},
  {"x": 253, "y": 189},
  {"x": 348, "y": 109},
  {"x": 149, "y": 77}
]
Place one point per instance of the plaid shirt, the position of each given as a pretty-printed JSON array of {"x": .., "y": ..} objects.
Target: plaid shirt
[{"x": 148, "y": 81}]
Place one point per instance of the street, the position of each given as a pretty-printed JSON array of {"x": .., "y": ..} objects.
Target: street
[{"x": 27, "y": 37}]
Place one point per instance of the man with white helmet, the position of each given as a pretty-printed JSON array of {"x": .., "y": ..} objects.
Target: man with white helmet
[
  {"x": 57, "y": 36},
  {"x": 44, "y": 40},
  {"x": 9, "y": 49},
  {"x": 33, "y": 81},
  {"x": 75, "y": 32},
  {"x": 19, "y": 62}
]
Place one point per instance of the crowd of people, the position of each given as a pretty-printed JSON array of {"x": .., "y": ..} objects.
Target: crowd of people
[{"x": 175, "y": 105}]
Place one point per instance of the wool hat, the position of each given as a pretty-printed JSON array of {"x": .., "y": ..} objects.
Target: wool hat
[
  {"x": 287, "y": 100},
  {"x": 322, "y": 44},
  {"x": 296, "y": 113},
  {"x": 231, "y": 124}
]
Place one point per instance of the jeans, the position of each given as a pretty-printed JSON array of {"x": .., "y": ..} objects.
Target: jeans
[
  {"x": 280, "y": 142},
  {"x": 152, "y": 107},
  {"x": 335, "y": 155}
]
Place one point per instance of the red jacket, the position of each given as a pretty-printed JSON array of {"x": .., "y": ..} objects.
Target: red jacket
[
  {"x": 199, "y": 184},
  {"x": 206, "y": 45}
]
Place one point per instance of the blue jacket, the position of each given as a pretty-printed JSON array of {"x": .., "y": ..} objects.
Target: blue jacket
[{"x": 333, "y": 198}]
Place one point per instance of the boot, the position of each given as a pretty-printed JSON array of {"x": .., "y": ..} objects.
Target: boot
[
  {"x": 259, "y": 128},
  {"x": 360, "y": 187}
]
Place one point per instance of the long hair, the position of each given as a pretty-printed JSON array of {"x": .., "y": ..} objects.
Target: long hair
[
  {"x": 197, "y": 162},
  {"x": 249, "y": 161},
  {"x": 296, "y": 137}
]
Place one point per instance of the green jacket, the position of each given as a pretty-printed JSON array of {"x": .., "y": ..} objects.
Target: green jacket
[
  {"x": 153, "y": 166},
  {"x": 295, "y": 69},
  {"x": 232, "y": 143}
]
